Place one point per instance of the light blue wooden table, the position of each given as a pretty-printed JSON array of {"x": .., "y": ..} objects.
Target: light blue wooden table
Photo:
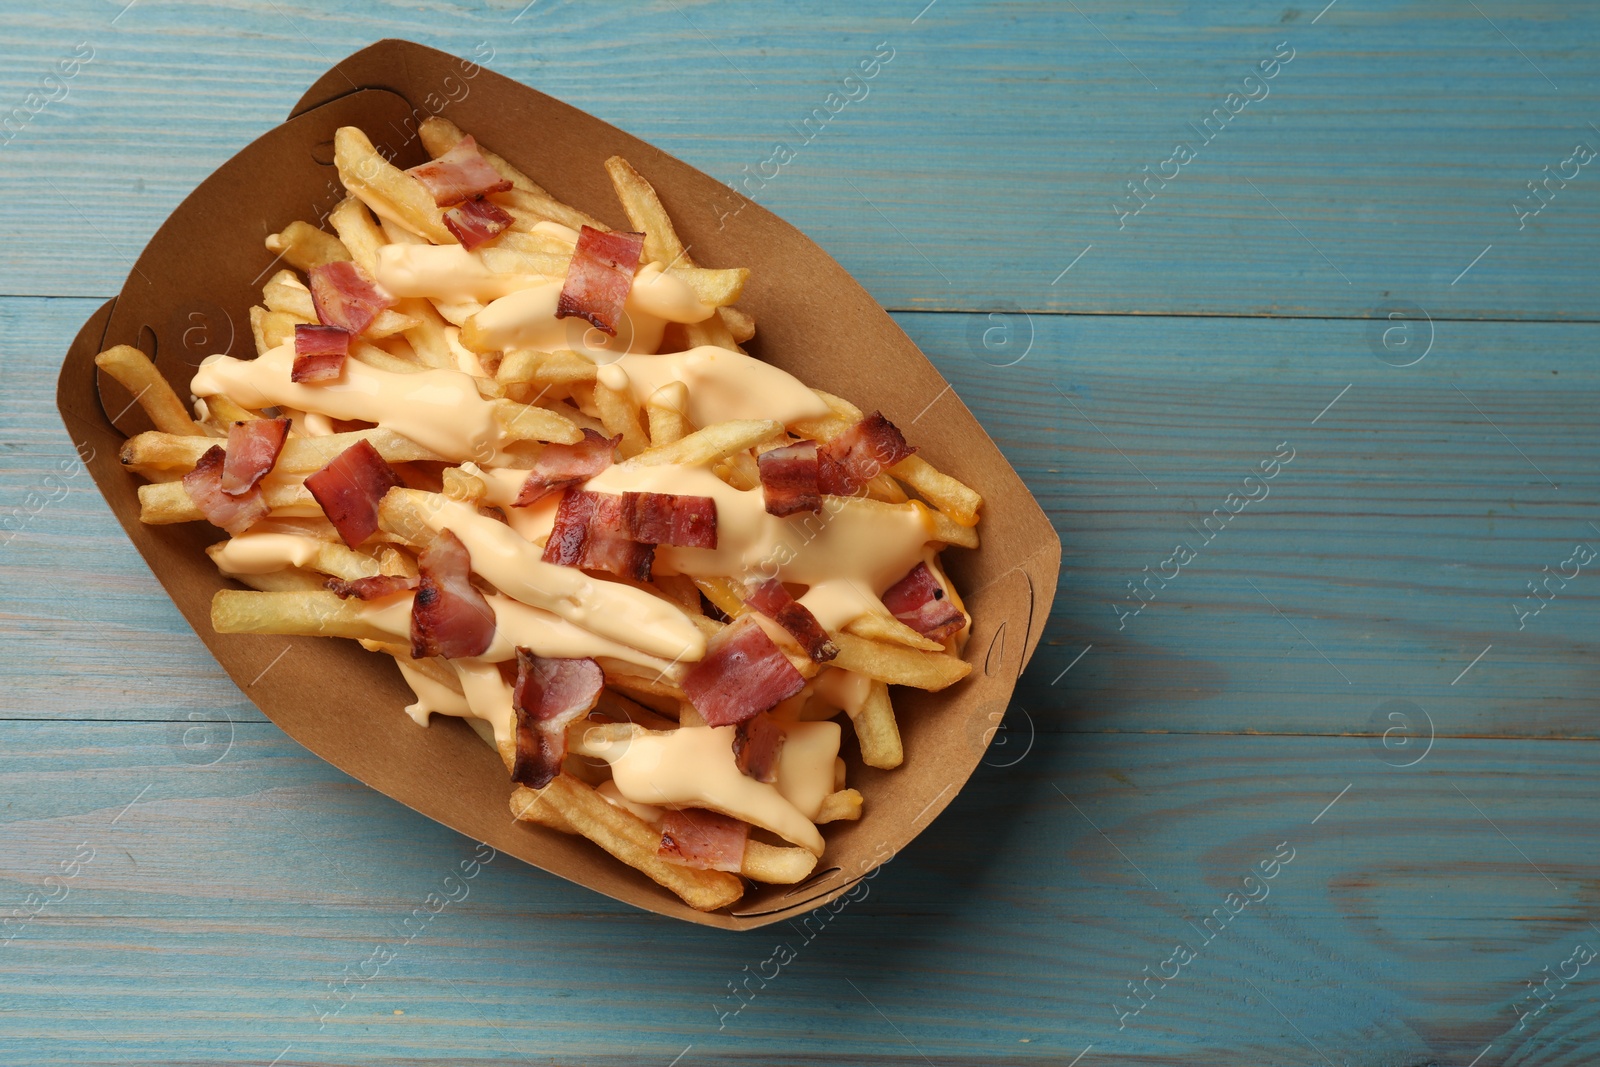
[{"x": 1345, "y": 686}]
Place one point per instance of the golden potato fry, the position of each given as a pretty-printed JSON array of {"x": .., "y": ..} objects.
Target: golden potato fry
[
  {"x": 739, "y": 323},
  {"x": 620, "y": 418},
  {"x": 332, "y": 558},
  {"x": 527, "y": 422},
  {"x": 877, "y": 733},
  {"x": 710, "y": 444},
  {"x": 898, "y": 665},
  {"x": 667, "y": 409},
  {"x": 224, "y": 413},
  {"x": 464, "y": 487},
  {"x": 286, "y": 293},
  {"x": 879, "y": 627},
  {"x": 527, "y": 367},
  {"x": 391, "y": 193},
  {"x": 303, "y": 246},
  {"x": 627, "y": 837},
  {"x": 645, "y": 213},
  {"x": 711, "y": 332},
  {"x": 428, "y": 338},
  {"x": 300, "y": 455},
  {"x": 304, "y": 614},
  {"x": 527, "y": 210},
  {"x": 956, "y": 500},
  {"x": 539, "y": 265},
  {"x": 164, "y": 503},
  {"x": 292, "y": 580},
  {"x": 134, "y": 371},
  {"x": 841, "y": 806},
  {"x": 724, "y": 593},
  {"x": 717, "y": 288},
  {"x": 940, "y": 526},
  {"x": 358, "y": 232},
  {"x": 775, "y": 864}
]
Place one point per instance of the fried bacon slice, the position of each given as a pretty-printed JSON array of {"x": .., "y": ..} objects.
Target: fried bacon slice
[
  {"x": 773, "y": 600},
  {"x": 743, "y": 673},
  {"x": 345, "y": 296},
  {"x": 371, "y": 588},
  {"x": 756, "y": 744},
  {"x": 918, "y": 600},
  {"x": 234, "y": 512},
  {"x": 350, "y": 488},
  {"x": 449, "y": 617},
  {"x": 670, "y": 519},
  {"x": 600, "y": 277},
  {"x": 851, "y": 460},
  {"x": 789, "y": 478},
  {"x": 559, "y": 466},
  {"x": 704, "y": 839},
  {"x": 477, "y": 221},
  {"x": 460, "y": 174},
  {"x": 591, "y": 532},
  {"x": 253, "y": 449},
  {"x": 319, "y": 352},
  {"x": 550, "y": 695}
]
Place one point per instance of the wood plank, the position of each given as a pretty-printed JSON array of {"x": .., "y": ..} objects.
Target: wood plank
[
  {"x": 1395, "y": 543},
  {"x": 983, "y": 158},
  {"x": 218, "y": 907}
]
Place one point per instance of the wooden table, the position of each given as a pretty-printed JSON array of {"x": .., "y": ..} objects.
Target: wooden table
[{"x": 1345, "y": 682}]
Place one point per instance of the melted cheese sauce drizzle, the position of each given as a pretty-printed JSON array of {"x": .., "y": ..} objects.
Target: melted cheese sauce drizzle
[{"x": 723, "y": 384}]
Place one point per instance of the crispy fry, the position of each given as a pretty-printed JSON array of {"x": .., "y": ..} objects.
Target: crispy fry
[
  {"x": 950, "y": 496},
  {"x": 527, "y": 367},
  {"x": 775, "y": 864},
  {"x": 666, "y": 408},
  {"x": 428, "y": 338},
  {"x": 940, "y": 526},
  {"x": 530, "y": 209},
  {"x": 291, "y": 580},
  {"x": 897, "y": 665},
  {"x": 717, "y": 288},
  {"x": 133, "y": 369},
  {"x": 626, "y": 836},
  {"x": 459, "y": 485},
  {"x": 358, "y": 232},
  {"x": 300, "y": 455},
  {"x": 224, "y": 413},
  {"x": 645, "y": 213},
  {"x": 286, "y": 293},
  {"x": 163, "y": 503},
  {"x": 303, "y": 246},
  {"x": 388, "y": 191},
  {"x": 331, "y": 558},
  {"x": 620, "y": 417},
  {"x": 710, "y": 444},
  {"x": 841, "y": 806},
  {"x": 712, "y": 332},
  {"x": 739, "y": 323},
  {"x": 304, "y": 614},
  {"x": 526, "y": 422},
  {"x": 877, "y": 626},
  {"x": 877, "y": 733},
  {"x": 724, "y": 594}
]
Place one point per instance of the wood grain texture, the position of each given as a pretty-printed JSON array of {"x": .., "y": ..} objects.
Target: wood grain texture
[
  {"x": 983, "y": 158},
  {"x": 1339, "y": 668}
]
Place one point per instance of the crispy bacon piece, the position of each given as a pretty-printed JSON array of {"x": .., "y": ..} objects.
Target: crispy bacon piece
[
  {"x": 743, "y": 673},
  {"x": 350, "y": 488},
  {"x": 756, "y": 744},
  {"x": 919, "y": 601},
  {"x": 590, "y": 532},
  {"x": 773, "y": 600},
  {"x": 600, "y": 277},
  {"x": 233, "y": 512},
  {"x": 379, "y": 585},
  {"x": 851, "y": 460},
  {"x": 670, "y": 519},
  {"x": 789, "y": 478},
  {"x": 477, "y": 221},
  {"x": 559, "y": 466},
  {"x": 704, "y": 839},
  {"x": 345, "y": 297},
  {"x": 449, "y": 617},
  {"x": 460, "y": 174},
  {"x": 253, "y": 449},
  {"x": 319, "y": 352},
  {"x": 550, "y": 695}
]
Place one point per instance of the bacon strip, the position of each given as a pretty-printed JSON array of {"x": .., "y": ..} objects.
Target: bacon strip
[
  {"x": 670, "y": 519},
  {"x": 449, "y": 617},
  {"x": 918, "y": 600},
  {"x": 459, "y": 174},
  {"x": 756, "y": 744},
  {"x": 233, "y": 512},
  {"x": 600, "y": 277},
  {"x": 707, "y": 840},
  {"x": 345, "y": 297},
  {"x": 851, "y": 460},
  {"x": 379, "y": 585},
  {"x": 773, "y": 600},
  {"x": 789, "y": 478},
  {"x": 742, "y": 673},
  {"x": 350, "y": 488},
  {"x": 590, "y": 532},
  {"x": 559, "y": 466},
  {"x": 550, "y": 694},
  {"x": 253, "y": 449},
  {"x": 477, "y": 221},
  {"x": 319, "y": 352}
]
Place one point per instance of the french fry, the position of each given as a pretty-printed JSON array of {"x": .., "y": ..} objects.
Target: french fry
[
  {"x": 284, "y": 292},
  {"x": 388, "y": 191},
  {"x": 301, "y": 614},
  {"x": 940, "y": 526},
  {"x": 428, "y": 338},
  {"x": 877, "y": 734},
  {"x": 841, "y": 806},
  {"x": 134, "y": 371},
  {"x": 224, "y": 413},
  {"x": 331, "y": 558},
  {"x": 724, "y": 594},
  {"x": 645, "y": 213},
  {"x": 739, "y": 323},
  {"x": 527, "y": 367},
  {"x": 164, "y": 503},
  {"x": 620, "y": 418},
  {"x": 461, "y": 486},
  {"x": 358, "y": 232},
  {"x": 303, "y": 246},
  {"x": 529, "y": 209},
  {"x": 534, "y": 264},
  {"x": 876, "y": 626},
  {"x": 527, "y": 422},
  {"x": 740, "y": 471},
  {"x": 291, "y": 580},
  {"x": 717, "y": 288},
  {"x": 898, "y": 665},
  {"x": 300, "y": 455},
  {"x": 710, "y": 444},
  {"x": 711, "y": 332},
  {"x": 666, "y": 410},
  {"x": 956, "y": 500},
  {"x": 627, "y": 837},
  {"x": 775, "y": 864},
  {"x": 439, "y": 135}
]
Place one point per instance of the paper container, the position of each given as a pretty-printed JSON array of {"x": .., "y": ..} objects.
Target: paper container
[{"x": 189, "y": 294}]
